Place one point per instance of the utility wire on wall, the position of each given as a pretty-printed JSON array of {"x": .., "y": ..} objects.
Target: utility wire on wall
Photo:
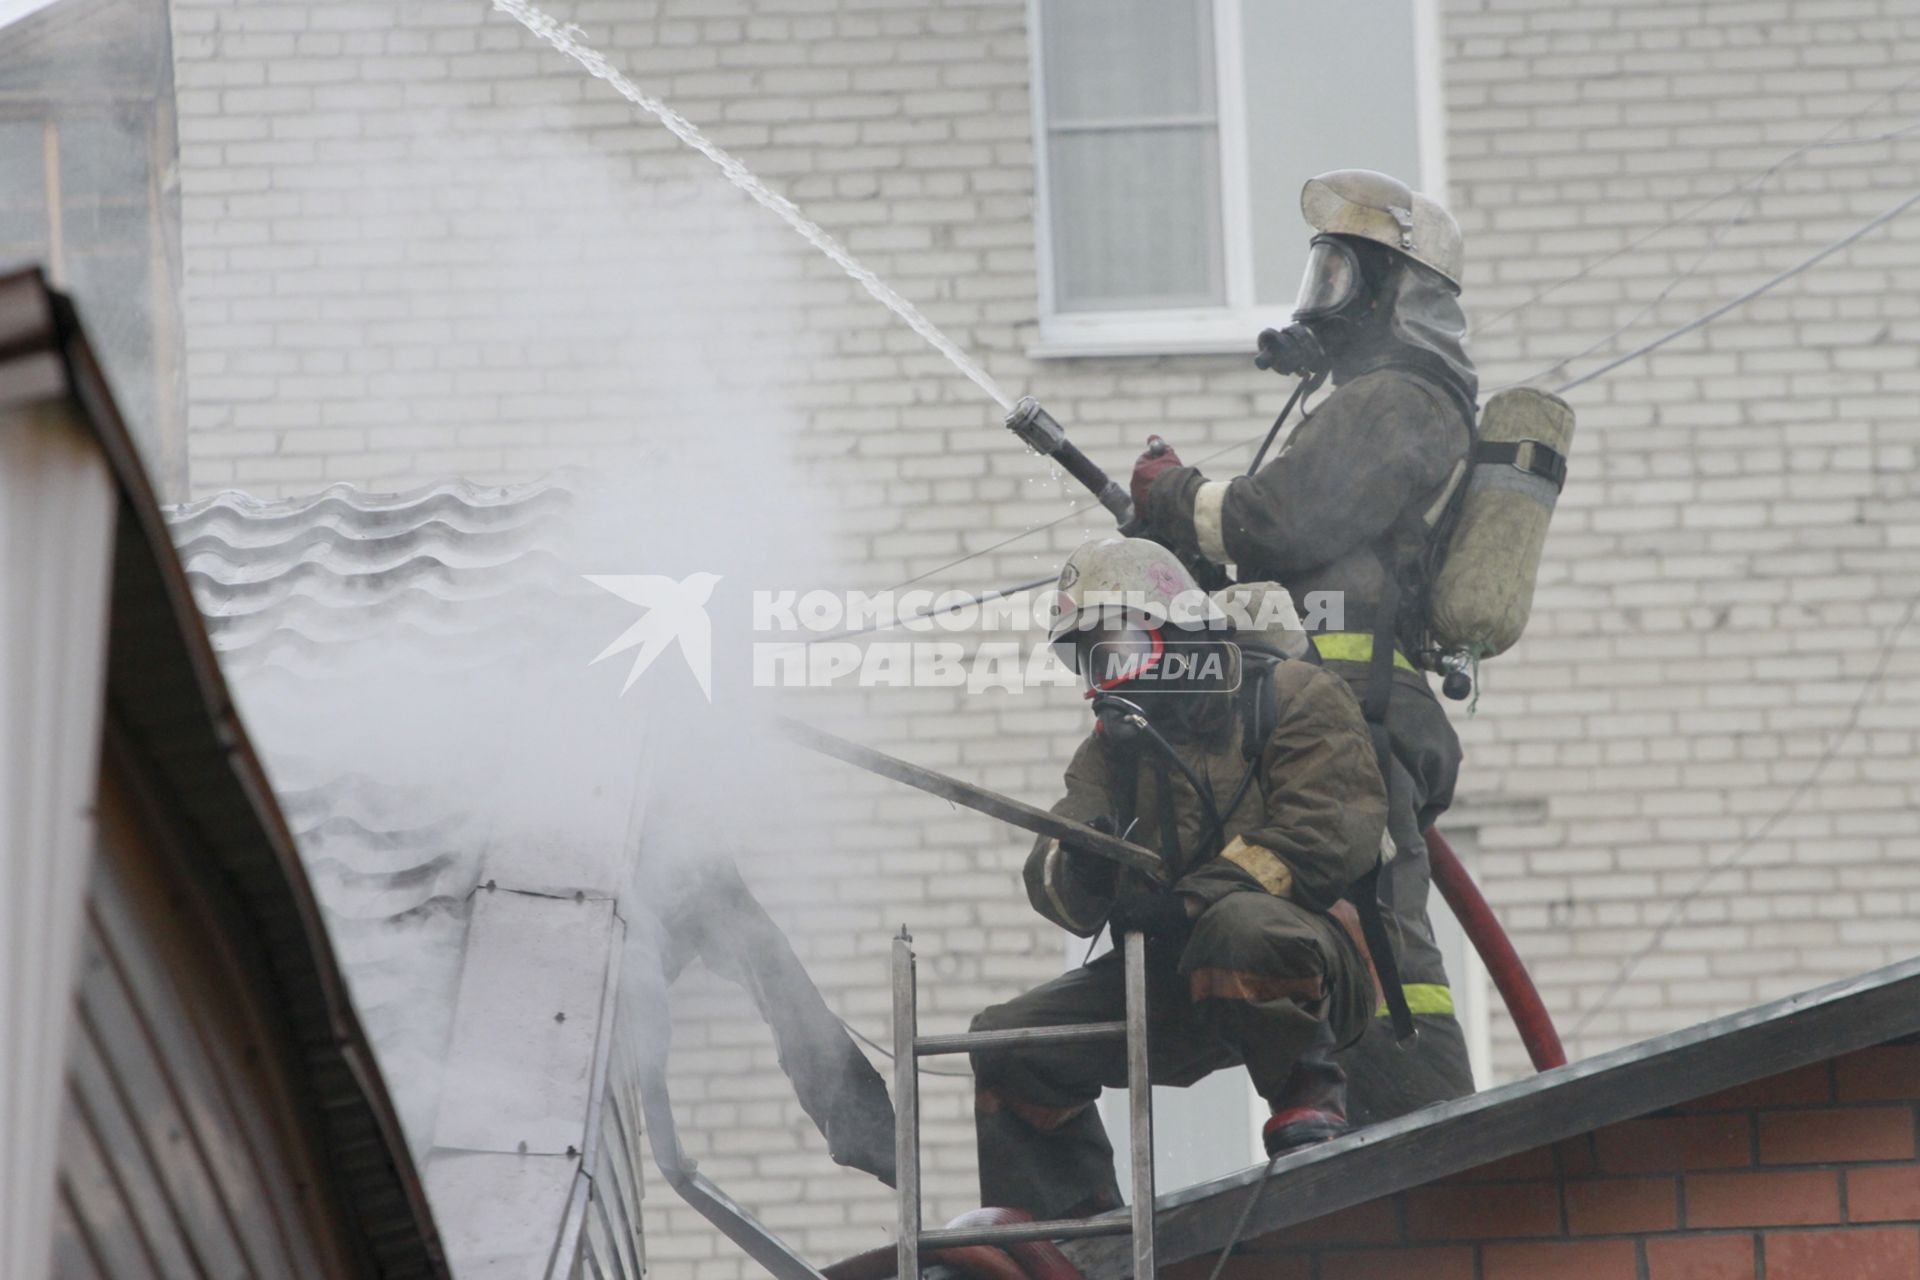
[
  {"x": 1698, "y": 322},
  {"x": 1749, "y": 185},
  {"x": 1735, "y": 303},
  {"x": 1713, "y": 869}
]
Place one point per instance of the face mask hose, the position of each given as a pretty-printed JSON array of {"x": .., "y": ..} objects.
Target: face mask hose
[{"x": 1133, "y": 724}]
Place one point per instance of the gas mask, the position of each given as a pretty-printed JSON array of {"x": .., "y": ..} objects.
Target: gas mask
[
  {"x": 1109, "y": 656},
  {"x": 1331, "y": 312}
]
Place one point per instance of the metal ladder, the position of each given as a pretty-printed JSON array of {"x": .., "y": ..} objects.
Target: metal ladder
[{"x": 909, "y": 1047}]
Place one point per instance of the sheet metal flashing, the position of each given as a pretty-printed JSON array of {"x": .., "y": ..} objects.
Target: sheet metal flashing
[
  {"x": 166, "y": 691},
  {"x": 1455, "y": 1136}
]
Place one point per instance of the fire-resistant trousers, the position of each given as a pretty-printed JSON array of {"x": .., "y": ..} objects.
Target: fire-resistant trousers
[{"x": 1256, "y": 980}]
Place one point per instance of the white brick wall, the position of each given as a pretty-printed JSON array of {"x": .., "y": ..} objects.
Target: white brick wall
[{"x": 1737, "y": 538}]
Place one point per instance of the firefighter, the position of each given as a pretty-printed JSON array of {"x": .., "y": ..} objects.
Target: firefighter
[
  {"x": 1353, "y": 505},
  {"x": 1253, "y": 776}
]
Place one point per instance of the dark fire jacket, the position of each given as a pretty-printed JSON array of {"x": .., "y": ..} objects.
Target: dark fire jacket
[
  {"x": 1348, "y": 499},
  {"x": 1310, "y": 824}
]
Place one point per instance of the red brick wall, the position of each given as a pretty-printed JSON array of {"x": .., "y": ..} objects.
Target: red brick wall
[{"x": 1809, "y": 1175}]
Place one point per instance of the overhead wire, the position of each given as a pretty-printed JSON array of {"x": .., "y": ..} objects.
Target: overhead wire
[
  {"x": 996, "y": 592},
  {"x": 1874, "y": 680},
  {"x": 1698, "y": 322},
  {"x": 1692, "y": 269},
  {"x": 1735, "y": 303},
  {"x": 1713, "y": 869},
  {"x": 1820, "y": 143},
  {"x": 1824, "y": 141}
]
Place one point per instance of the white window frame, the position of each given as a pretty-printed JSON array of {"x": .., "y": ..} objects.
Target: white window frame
[{"x": 1224, "y": 329}]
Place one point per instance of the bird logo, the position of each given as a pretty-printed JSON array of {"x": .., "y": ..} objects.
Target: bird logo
[{"x": 675, "y": 610}]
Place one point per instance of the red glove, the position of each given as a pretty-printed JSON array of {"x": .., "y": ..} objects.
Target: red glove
[{"x": 1148, "y": 467}]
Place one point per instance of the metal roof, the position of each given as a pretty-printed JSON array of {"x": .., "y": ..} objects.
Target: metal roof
[
  {"x": 475, "y": 911},
  {"x": 165, "y": 687},
  {"x": 304, "y": 596}
]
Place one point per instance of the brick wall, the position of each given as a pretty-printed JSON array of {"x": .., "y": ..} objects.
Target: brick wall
[
  {"x": 1809, "y": 1175},
  {"x": 1732, "y": 551},
  {"x": 418, "y": 245}
]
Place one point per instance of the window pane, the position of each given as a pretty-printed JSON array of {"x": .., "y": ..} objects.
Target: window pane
[
  {"x": 1127, "y": 59},
  {"x": 1136, "y": 219},
  {"x": 1323, "y": 92}
]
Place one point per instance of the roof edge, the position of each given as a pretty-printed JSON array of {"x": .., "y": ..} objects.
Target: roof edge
[
  {"x": 1452, "y": 1137},
  {"x": 38, "y": 325}
]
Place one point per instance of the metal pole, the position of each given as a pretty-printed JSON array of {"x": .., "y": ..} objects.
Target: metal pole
[
  {"x": 1140, "y": 1106},
  {"x": 1020, "y": 1038},
  {"x": 906, "y": 1106}
]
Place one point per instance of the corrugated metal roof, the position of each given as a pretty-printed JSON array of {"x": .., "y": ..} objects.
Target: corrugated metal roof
[
  {"x": 302, "y": 597},
  {"x": 380, "y": 614}
]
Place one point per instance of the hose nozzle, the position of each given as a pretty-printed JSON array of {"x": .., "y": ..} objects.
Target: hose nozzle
[
  {"x": 1036, "y": 427},
  {"x": 1040, "y": 433}
]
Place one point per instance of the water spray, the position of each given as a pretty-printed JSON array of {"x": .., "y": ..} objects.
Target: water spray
[{"x": 569, "y": 39}]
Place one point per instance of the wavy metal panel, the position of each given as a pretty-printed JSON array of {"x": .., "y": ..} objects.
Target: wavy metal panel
[{"x": 458, "y": 966}]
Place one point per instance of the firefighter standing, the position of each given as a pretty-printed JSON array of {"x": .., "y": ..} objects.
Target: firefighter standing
[{"x": 1351, "y": 505}]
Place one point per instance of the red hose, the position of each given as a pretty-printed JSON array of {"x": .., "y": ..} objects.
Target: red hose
[
  {"x": 1503, "y": 963},
  {"x": 1034, "y": 1260}
]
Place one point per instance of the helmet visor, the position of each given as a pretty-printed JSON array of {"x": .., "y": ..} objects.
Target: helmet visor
[
  {"x": 1108, "y": 657},
  {"x": 1331, "y": 281}
]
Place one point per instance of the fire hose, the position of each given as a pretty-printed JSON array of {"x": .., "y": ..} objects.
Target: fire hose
[
  {"x": 1039, "y": 431},
  {"x": 1504, "y": 966}
]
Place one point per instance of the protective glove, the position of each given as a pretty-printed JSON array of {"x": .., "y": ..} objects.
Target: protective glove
[
  {"x": 1148, "y": 467},
  {"x": 1097, "y": 875},
  {"x": 1150, "y": 909}
]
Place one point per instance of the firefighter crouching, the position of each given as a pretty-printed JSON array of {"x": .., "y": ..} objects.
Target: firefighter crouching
[
  {"x": 1355, "y": 504},
  {"x": 1253, "y": 776}
]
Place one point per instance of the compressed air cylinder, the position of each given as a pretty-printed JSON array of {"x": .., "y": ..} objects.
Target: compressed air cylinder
[{"x": 1484, "y": 590}]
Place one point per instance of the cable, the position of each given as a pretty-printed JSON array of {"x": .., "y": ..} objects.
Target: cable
[
  {"x": 1713, "y": 869},
  {"x": 1246, "y": 1214},
  {"x": 1819, "y": 143},
  {"x": 1743, "y": 299},
  {"x": 978, "y": 598},
  {"x": 864, "y": 1039},
  {"x": 1008, "y": 541},
  {"x": 1062, "y": 518},
  {"x": 1692, "y": 325},
  {"x": 1713, "y": 242}
]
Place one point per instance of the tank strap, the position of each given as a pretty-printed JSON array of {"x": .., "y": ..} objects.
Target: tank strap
[
  {"x": 1533, "y": 457},
  {"x": 1374, "y": 705}
]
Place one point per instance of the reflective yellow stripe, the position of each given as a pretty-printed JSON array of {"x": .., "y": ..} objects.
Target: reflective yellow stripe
[
  {"x": 1263, "y": 864},
  {"x": 1422, "y": 997},
  {"x": 1354, "y": 646}
]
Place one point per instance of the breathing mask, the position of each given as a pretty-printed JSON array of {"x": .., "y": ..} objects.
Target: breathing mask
[{"x": 1333, "y": 306}]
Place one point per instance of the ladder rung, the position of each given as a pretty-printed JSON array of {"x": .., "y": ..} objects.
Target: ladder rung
[
  {"x": 1022, "y": 1232},
  {"x": 1015, "y": 1037}
]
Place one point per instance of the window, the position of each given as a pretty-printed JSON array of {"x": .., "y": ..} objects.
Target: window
[{"x": 1172, "y": 138}]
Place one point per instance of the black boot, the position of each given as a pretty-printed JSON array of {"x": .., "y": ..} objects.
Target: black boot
[{"x": 1312, "y": 1105}]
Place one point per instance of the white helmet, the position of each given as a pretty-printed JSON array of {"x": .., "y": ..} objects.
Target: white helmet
[
  {"x": 1373, "y": 206},
  {"x": 1120, "y": 593}
]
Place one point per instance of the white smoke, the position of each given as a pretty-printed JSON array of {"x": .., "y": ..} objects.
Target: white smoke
[{"x": 651, "y": 334}]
